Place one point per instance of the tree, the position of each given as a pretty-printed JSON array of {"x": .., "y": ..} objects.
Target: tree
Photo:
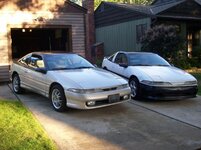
[
  {"x": 165, "y": 41},
  {"x": 138, "y": 2},
  {"x": 97, "y": 2}
]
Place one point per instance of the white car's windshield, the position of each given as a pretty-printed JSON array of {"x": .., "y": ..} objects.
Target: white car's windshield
[
  {"x": 66, "y": 61},
  {"x": 146, "y": 59}
]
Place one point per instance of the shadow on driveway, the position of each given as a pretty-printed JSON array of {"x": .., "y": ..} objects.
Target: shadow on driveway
[{"x": 121, "y": 127}]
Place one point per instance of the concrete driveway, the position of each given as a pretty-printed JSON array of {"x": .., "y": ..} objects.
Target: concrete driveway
[{"x": 132, "y": 125}]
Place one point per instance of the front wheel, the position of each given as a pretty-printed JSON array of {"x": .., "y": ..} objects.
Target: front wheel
[
  {"x": 134, "y": 85},
  {"x": 16, "y": 84},
  {"x": 58, "y": 98}
]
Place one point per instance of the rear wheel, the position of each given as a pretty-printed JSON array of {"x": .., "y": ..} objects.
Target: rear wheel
[
  {"x": 58, "y": 98},
  {"x": 134, "y": 85},
  {"x": 16, "y": 84}
]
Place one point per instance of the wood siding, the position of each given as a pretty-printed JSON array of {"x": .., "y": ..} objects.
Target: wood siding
[
  {"x": 77, "y": 23},
  {"x": 69, "y": 15},
  {"x": 4, "y": 73},
  {"x": 120, "y": 36}
]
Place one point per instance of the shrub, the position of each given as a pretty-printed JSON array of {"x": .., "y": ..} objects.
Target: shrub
[{"x": 165, "y": 41}]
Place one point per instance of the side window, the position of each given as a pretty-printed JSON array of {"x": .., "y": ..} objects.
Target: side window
[
  {"x": 124, "y": 59},
  {"x": 25, "y": 60},
  {"x": 36, "y": 61},
  {"x": 118, "y": 58},
  {"x": 111, "y": 58},
  {"x": 121, "y": 59}
]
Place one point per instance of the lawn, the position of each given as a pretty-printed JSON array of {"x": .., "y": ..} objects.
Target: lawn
[
  {"x": 197, "y": 75},
  {"x": 19, "y": 130}
]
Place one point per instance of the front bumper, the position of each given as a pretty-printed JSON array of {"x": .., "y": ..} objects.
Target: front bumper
[
  {"x": 168, "y": 93},
  {"x": 76, "y": 100}
]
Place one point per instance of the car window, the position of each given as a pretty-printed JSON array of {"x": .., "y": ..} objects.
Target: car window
[
  {"x": 36, "y": 61},
  {"x": 25, "y": 60},
  {"x": 146, "y": 59},
  {"x": 121, "y": 59},
  {"x": 111, "y": 58},
  {"x": 66, "y": 61}
]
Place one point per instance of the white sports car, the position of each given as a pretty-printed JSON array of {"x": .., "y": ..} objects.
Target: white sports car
[
  {"x": 68, "y": 80},
  {"x": 150, "y": 76}
]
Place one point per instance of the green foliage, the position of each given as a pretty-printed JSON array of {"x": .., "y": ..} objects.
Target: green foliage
[
  {"x": 142, "y": 2},
  {"x": 97, "y": 2},
  {"x": 165, "y": 41},
  {"x": 197, "y": 75},
  {"x": 195, "y": 61},
  {"x": 19, "y": 130}
]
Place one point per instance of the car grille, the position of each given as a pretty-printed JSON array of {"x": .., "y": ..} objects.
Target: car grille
[
  {"x": 107, "y": 89},
  {"x": 110, "y": 89}
]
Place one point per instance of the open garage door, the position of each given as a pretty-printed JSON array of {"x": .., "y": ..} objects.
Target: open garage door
[{"x": 39, "y": 39}]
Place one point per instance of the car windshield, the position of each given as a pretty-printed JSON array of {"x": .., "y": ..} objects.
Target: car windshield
[
  {"x": 66, "y": 61},
  {"x": 146, "y": 59}
]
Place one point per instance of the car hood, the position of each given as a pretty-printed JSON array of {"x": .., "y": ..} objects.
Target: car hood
[
  {"x": 88, "y": 78},
  {"x": 165, "y": 73}
]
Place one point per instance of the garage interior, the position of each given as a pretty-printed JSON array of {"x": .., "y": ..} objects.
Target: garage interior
[{"x": 26, "y": 40}]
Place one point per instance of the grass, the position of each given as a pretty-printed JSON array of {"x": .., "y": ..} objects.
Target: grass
[{"x": 19, "y": 130}]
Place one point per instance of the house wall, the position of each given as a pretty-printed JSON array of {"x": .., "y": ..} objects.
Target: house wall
[
  {"x": 37, "y": 15},
  {"x": 120, "y": 36}
]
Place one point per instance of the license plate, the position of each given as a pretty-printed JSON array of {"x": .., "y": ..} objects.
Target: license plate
[{"x": 114, "y": 98}]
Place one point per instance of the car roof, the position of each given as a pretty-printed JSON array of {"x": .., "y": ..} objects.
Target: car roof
[
  {"x": 137, "y": 52},
  {"x": 52, "y": 52}
]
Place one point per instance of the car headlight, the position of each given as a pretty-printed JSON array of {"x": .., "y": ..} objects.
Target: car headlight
[
  {"x": 155, "y": 83},
  {"x": 81, "y": 91}
]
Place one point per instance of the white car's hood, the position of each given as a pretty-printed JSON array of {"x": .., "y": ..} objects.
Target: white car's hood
[
  {"x": 165, "y": 74},
  {"x": 88, "y": 78}
]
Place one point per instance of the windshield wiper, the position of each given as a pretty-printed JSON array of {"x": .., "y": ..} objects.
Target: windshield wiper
[
  {"x": 61, "y": 68},
  {"x": 83, "y": 67},
  {"x": 160, "y": 65},
  {"x": 141, "y": 65}
]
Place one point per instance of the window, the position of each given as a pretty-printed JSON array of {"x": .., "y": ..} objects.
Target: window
[
  {"x": 36, "y": 62},
  {"x": 140, "y": 31},
  {"x": 111, "y": 58},
  {"x": 121, "y": 59}
]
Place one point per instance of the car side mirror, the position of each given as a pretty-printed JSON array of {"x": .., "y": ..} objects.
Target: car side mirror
[
  {"x": 41, "y": 70},
  {"x": 123, "y": 65}
]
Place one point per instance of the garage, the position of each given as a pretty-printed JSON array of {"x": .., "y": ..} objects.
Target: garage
[
  {"x": 26, "y": 40},
  {"x": 53, "y": 25}
]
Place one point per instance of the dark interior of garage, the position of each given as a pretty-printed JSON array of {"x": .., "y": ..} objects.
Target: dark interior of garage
[{"x": 26, "y": 40}]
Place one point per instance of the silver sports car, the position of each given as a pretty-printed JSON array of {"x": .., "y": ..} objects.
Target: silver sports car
[{"x": 68, "y": 80}]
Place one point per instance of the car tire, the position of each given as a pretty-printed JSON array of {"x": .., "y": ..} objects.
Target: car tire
[
  {"x": 58, "y": 98},
  {"x": 105, "y": 68},
  {"x": 135, "y": 88},
  {"x": 16, "y": 84}
]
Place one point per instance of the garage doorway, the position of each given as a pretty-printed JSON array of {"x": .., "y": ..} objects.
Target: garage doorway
[{"x": 26, "y": 40}]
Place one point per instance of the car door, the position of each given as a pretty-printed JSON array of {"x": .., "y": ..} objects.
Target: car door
[
  {"x": 120, "y": 64},
  {"x": 36, "y": 80}
]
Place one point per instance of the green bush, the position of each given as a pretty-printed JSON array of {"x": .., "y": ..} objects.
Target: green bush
[
  {"x": 195, "y": 61},
  {"x": 165, "y": 41}
]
